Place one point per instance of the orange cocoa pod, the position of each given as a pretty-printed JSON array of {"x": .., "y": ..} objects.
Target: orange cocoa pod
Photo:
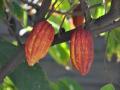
[
  {"x": 82, "y": 50},
  {"x": 79, "y": 19},
  {"x": 38, "y": 42}
]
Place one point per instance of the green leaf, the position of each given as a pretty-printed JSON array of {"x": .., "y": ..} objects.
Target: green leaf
[
  {"x": 98, "y": 12},
  {"x": 7, "y": 84},
  {"x": 109, "y": 86},
  {"x": 116, "y": 33},
  {"x": 93, "y": 2},
  {"x": 2, "y": 14},
  {"x": 66, "y": 25},
  {"x": 66, "y": 84},
  {"x": 24, "y": 77},
  {"x": 56, "y": 21},
  {"x": 113, "y": 43},
  {"x": 60, "y": 53},
  {"x": 54, "y": 86},
  {"x": 7, "y": 50},
  {"x": 64, "y": 6},
  {"x": 1, "y": 4},
  {"x": 17, "y": 10},
  {"x": 71, "y": 84},
  {"x": 30, "y": 78}
]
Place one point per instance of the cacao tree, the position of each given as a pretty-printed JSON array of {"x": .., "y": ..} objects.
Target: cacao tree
[{"x": 32, "y": 30}]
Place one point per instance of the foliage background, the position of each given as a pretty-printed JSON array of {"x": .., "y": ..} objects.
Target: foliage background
[{"x": 35, "y": 78}]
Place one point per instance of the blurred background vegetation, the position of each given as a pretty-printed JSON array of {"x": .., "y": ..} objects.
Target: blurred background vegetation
[{"x": 34, "y": 78}]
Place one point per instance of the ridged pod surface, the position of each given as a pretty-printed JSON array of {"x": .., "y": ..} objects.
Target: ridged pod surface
[
  {"x": 82, "y": 50},
  {"x": 38, "y": 42},
  {"x": 79, "y": 19}
]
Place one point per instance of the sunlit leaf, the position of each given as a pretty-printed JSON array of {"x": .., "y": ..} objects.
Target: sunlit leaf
[
  {"x": 64, "y": 5},
  {"x": 98, "y": 12},
  {"x": 108, "y": 87},
  {"x": 56, "y": 21},
  {"x": 113, "y": 43},
  {"x": 8, "y": 84},
  {"x": 60, "y": 53},
  {"x": 67, "y": 25}
]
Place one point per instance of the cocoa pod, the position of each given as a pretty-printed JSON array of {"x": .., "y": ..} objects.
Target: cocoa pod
[
  {"x": 38, "y": 42},
  {"x": 78, "y": 19},
  {"x": 82, "y": 50}
]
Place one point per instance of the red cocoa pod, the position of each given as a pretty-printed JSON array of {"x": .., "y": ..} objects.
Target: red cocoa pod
[
  {"x": 82, "y": 50},
  {"x": 78, "y": 20},
  {"x": 38, "y": 42}
]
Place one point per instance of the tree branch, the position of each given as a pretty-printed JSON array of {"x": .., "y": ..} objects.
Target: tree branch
[
  {"x": 42, "y": 11},
  {"x": 66, "y": 36},
  {"x": 112, "y": 15}
]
